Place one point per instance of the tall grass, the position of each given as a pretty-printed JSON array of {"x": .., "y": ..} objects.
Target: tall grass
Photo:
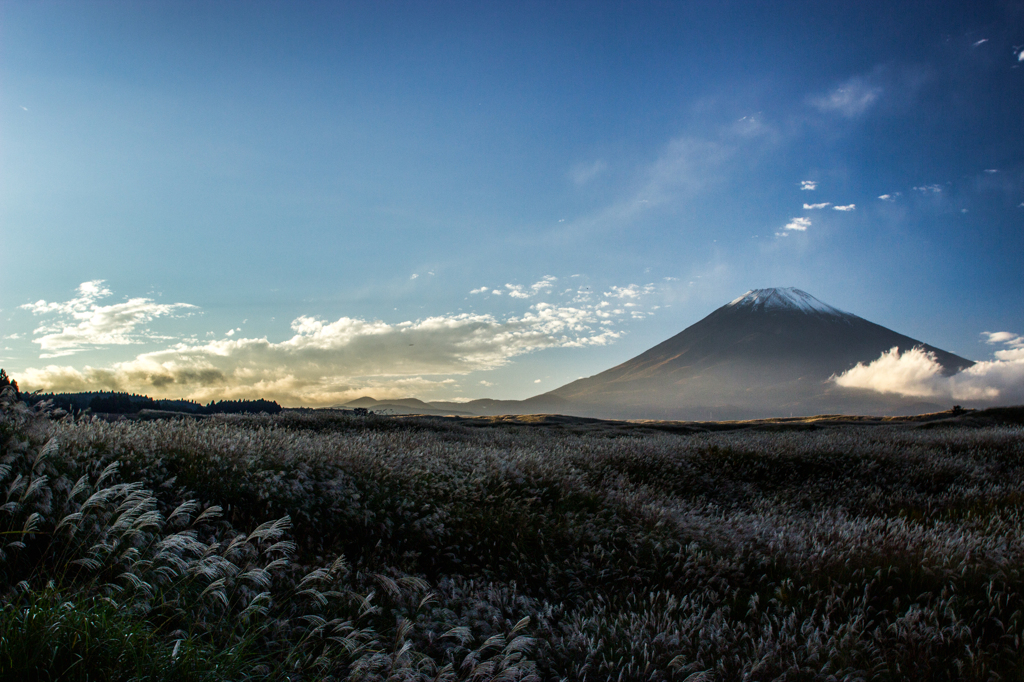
[{"x": 304, "y": 546}]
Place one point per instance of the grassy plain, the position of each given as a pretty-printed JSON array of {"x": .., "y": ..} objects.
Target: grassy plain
[{"x": 310, "y": 546}]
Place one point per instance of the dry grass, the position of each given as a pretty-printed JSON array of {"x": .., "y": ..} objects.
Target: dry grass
[{"x": 317, "y": 546}]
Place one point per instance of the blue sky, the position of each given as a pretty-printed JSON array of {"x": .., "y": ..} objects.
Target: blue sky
[{"x": 296, "y": 200}]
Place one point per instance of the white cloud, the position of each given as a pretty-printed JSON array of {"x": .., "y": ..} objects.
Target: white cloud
[
  {"x": 1008, "y": 338},
  {"x": 413, "y": 276},
  {"x": 1020, "y": 58},
  {"x": 519, "y": 291},
  {"x": 849, "y": 207},
  {"x": 88, "y": 293},
  {"x": 929, "y": 189},
  {"x": 81, "y": 323},
  {"x": 911, "y": 373},
  {"x": 980, "y": 42},
  {"x": 991, "y": 170},
  {"x": 917, "y": 373},
  {"x": 486, "y": 383},
  {"x": 536, "y": 381},
  {"x": 889, "y": 197},
  {"x": 629, "y": 292},
  {"x": 798, "y": 224},
  {"x": 851, "y": 99},
  {"x": 481, "y": 290},
  {"x": 808, "y": 184},
  {"x": 813, "y": 207},
  {"x": 582, "y": 173},
  {"x": 326, "y": 363}
]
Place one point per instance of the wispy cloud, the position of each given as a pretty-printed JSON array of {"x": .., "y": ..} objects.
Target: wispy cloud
[
  {"x": 685, "y": 167},
  {"x": 889, "y": 197},
  {"x": 850, "y": 99},
  {"x": 980, "y": 42},
  {"x": 812, "y": 207},
  {"x": 481, "y": 290},
  {"x": 917, "y": 373},
  {"x": 798, "y": 224},
  {"x": 808, "y": 184},
  {"x": 929, "y": 189},
  {"x": 848, "y": 207},
  {"x": 81, "y": 323},
  {"x": 582, "y": 173}
]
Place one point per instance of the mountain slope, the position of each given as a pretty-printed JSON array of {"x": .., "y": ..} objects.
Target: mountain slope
[{"x": 770, "y": 352}]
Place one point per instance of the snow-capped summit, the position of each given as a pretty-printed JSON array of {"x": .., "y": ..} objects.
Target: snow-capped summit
[{"x": 784, "y": 298}]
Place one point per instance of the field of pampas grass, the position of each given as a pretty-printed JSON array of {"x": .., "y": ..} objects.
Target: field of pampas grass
[{"x": 319, "y": 546}]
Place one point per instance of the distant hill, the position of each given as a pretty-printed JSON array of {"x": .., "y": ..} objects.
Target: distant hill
[{"x": 405, "y": 406}]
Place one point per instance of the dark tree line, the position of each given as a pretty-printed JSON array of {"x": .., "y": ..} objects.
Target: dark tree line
[{"x": 113, "y": 402}]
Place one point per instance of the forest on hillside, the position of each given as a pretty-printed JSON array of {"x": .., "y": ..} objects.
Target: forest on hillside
[{"x": 318, "y": 545}]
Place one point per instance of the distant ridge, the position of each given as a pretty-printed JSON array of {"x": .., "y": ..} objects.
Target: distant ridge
[{"x": 402, "y": 406}]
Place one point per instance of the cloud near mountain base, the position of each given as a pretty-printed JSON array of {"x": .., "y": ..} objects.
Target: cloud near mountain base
[{"x": 917, "y": 373}]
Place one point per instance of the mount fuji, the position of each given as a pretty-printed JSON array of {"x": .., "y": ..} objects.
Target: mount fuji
[{"x": 768, "y": 353}]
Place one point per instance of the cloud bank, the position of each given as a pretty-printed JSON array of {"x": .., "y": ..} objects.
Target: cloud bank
[
  {"x": 917, "y": 373},
  {"x": 329, "y": 362}
]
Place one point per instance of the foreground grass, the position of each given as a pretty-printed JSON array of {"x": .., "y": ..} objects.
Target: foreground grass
[{"x": 312, "y": 547}]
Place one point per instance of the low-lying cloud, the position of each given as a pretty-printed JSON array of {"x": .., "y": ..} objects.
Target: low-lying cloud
[
  {"x": 917, "y": 373},
  {"x": 329, "y": 362}
]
